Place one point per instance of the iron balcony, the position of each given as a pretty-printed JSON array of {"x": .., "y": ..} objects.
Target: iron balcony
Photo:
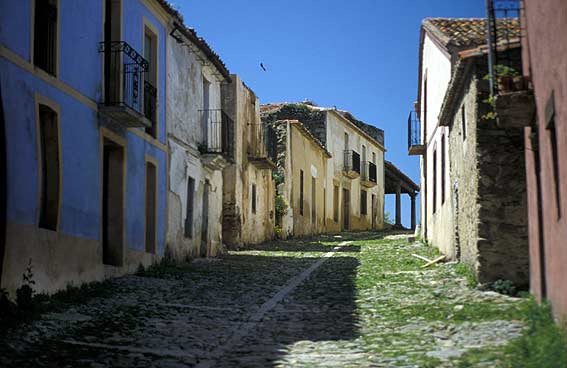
[
  {"x": 218, "y": 133},
  {"x": 415, "y": 144},
  {"x": 129, "y": 97},
  {"x": 368, "y": 176},
  {"x": 351, "y": 166}
]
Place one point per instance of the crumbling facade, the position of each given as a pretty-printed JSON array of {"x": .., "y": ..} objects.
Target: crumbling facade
[
  {"x": 248, "y": 188},
  {"x": 200, "y": 146}
]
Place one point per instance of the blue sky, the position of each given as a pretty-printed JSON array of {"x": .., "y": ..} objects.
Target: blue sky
[{"x": 358, "y": 55}]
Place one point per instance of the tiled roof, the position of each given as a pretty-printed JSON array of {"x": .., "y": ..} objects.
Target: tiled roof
[
  {"x": 200, "y": 42},
  {"x": 470, "y": 32}
]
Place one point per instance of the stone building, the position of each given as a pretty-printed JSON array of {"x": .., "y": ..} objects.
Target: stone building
[
  {"x": 83, "y": 89},
  {"x": 200, "y": 143},
  {"x": 353, "y": 188},
  {"x": 248, "y": 188},
  {"x": 473, "y": 184},
  {"x": 545, "y": 64},
  {"x": 302, "y": 164}
]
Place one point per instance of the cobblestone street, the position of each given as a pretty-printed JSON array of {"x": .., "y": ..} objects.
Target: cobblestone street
[{"x": 353, "y": 301}]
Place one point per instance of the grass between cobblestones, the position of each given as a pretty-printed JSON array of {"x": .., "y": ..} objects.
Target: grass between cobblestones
[{"x": 369, "y": 305}]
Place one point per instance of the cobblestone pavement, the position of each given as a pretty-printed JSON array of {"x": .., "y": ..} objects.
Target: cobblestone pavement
[{"x": 323, "y": 302}]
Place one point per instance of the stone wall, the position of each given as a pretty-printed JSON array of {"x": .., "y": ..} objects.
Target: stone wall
[
  {"x": 503, "y": 227},
  {"x": 488, "y": 188},
  {"x": 465, "y": 175},
  {"x": 312, "y": 119}
]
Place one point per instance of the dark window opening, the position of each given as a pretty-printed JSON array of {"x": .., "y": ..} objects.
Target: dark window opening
[
  {"x": 555, "y": 157},
  {"x": 150, "y": 83},
  {"x": 301, "y": 192},
  {"x": 313, "y": 200},
  {"x": 50, "y": 175},
  {"x": 336, "y": 204},
  {"x": 464, "y": 122},
  {"x": 363, "y": 204},
  {"x": 434, "y": 181},
  {"x": 443, "y": 173},
  {"x": 189, "y": 211},
  {"x": 151, "y": 207},
  {"x": 45, "y": 35},
  {"x": 253, "y": 198}
]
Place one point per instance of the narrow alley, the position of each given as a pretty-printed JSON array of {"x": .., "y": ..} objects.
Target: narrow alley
[{"x": 356, "y": 300}]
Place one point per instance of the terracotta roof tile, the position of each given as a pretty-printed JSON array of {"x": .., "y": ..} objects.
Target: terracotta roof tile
[{"x": 470, "y": 32}]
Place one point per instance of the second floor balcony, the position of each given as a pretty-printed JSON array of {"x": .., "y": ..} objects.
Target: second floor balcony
[
  {"x": 415, "y": 143},
  {"x": 129, "y": 97},
  {"x": 351, "y": 165},
  {"x": 218, "y": 134},
  {"x": 368, "y": 177},
  {"x": 263, "y": 146}
]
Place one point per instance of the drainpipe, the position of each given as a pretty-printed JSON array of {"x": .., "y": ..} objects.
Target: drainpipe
[{"x": 3, "y": 186}]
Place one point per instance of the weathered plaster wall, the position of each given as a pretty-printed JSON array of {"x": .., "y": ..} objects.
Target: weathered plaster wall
[
  {"x": 436, "y": 227},
  {"x": 336, "y": 128},
  {"x": 185, "y": 75},
  {"x": 306, "y": 156},
  {"x": 242, "y": 225},
  {"x": 545, "y": 61}
]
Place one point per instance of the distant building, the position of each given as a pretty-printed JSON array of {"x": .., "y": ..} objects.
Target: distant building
[
  {"x": 473, "y": 189},
  {"x": 352, "y": 190},
  {"x": 200, "y": 142},
  {"x": 249, "y": 192},
  {"x": 83, "y": 88}
]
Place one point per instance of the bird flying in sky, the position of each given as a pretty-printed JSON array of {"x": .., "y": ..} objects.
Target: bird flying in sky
[{"x": 262, "y": 66}]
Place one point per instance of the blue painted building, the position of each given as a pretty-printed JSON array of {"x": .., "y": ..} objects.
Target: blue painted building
[{"x": 83, "y": 94}]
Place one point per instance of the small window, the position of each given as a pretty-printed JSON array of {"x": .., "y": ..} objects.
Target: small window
[
  {"x": 434, "y": 180},
  {"x": 443, "y": 170},
  {"x": 313, "y": 200},
  {"x": 45, "y": 35},
  {"x": 301, "y": 192},
  {"x": 336, "y": 203},
  {"x": 552, "y": 134},
  {"x": 50, "y": 174},
  {"x": 346, "y": 141},
  {"x": 363, "y": 204},
  {"x": 253, "y": 198},
  {"x": 374, "y": 158},
  {"x": 150, "y": 82},
  {"x": 464, "y": 122},
  {"x": 190, "y": 205}
]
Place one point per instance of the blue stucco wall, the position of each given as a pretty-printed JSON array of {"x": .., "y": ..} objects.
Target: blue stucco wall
[{"x": 81, "y": 29}]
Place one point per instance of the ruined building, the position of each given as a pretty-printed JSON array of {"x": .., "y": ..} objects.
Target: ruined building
[{"x": 248, "y": 189}]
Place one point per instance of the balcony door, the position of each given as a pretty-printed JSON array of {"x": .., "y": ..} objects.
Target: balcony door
[{"x": 112, "y": 62}]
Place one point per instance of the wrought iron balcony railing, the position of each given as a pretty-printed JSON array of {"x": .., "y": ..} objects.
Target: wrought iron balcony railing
[
  {"x": 218, "y": 133},
  {"x": 415, "y": 144},
  {"x": 368, "y": 171},
  {"x": 351, "y": 162},
  {"x": 126, "y": 83}
]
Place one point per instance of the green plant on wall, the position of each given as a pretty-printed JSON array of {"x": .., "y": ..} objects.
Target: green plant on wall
[{"x": 281, "y": 206}]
